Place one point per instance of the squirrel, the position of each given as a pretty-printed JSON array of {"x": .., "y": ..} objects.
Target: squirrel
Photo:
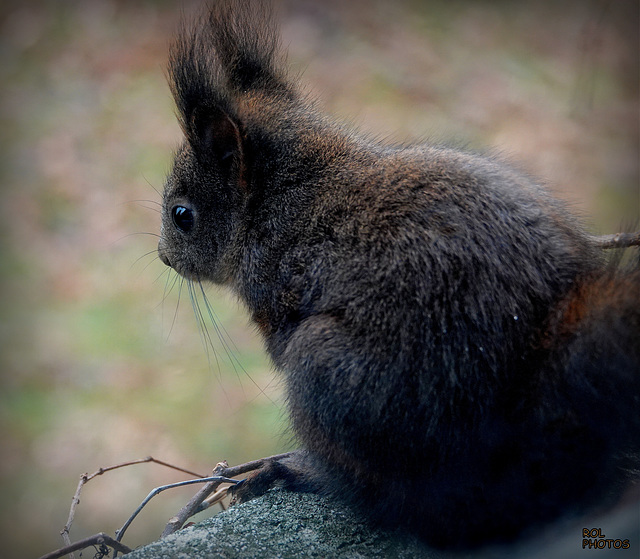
[{"x": 459, "y": 358}]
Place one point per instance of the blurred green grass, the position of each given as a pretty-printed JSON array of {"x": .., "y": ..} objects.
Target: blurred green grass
[{"x": 101, "y": 358}]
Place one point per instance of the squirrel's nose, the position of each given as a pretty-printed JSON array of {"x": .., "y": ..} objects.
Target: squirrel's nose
[{"x": 162, "y": 253}]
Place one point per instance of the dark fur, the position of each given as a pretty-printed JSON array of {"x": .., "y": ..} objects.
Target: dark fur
[{"x": 458, "y": 360}]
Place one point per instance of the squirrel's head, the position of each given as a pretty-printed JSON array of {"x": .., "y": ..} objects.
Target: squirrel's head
[
  {"x": 214, "y": 65},
  {"x": 204, "y": 198}
]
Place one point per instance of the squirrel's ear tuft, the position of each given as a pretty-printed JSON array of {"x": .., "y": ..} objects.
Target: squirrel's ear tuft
[{"x": 216, "y": 139}]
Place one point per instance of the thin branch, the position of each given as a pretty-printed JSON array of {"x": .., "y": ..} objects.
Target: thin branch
[
  {"x": 223, "y": 470},
  {"x": 215, "y": 498},
  {"x": 84, "y": 478},
  {"x": 143, "y": 461},
  {"x": 75, "y": 501},
  {"x": 157, "y": 490},
  {"x": 617, "y": 240},
  {"x": 96, "y": 539}
]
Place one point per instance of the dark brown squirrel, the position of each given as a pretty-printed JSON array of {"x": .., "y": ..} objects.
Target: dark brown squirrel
[{"x": 459, "y": 359}]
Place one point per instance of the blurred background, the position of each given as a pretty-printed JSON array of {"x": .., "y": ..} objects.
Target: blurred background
[{"x": 101, "y": 358}]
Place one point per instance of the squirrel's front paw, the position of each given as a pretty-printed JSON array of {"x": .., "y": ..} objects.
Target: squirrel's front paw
[{"x": 292, "y": 473}]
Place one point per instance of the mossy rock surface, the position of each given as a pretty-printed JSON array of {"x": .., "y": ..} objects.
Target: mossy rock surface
[{"x": 284, "y": 525}]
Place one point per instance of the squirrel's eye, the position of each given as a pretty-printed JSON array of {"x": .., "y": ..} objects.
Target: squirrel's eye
[{"x": 183, "y": 218}]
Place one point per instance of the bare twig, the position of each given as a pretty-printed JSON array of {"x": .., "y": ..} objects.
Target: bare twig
[
  {"x": 211, "y": 500},
  {"x": 157, "y": 490},
  {"x": 617, "y": 240},
  {"x": 96, "y": 539},
  {"x": 223, "y": 470},
  {"x": 221, "y": 474},
  {"x": 84, "y": 478}
]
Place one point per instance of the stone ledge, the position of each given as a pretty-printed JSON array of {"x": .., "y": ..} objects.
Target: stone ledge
[{"x": 285, "y": 525}]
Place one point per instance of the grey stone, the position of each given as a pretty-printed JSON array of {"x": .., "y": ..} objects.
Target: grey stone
[{"x": 283, "y": 525}]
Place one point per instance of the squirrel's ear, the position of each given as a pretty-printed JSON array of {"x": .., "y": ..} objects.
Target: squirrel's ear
[{"x": 217, "y": 140}]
